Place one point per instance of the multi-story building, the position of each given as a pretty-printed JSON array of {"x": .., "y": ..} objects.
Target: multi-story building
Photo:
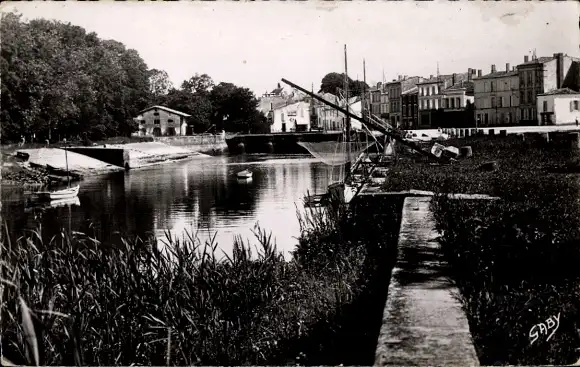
[
  {"x": 558, "y": 107},
  {"x": 395, "y": 91},
  {"x": 375, "y": 99},
  {"x": 384, "y": 109},
  {"x": 410, "y": 109},
  {"x": 291, "y": 117},
  {"x": 432, "y": 96},
  {"x": 497, "y": 100},
  {"x": 541, "y": 75},
  {"x": 162, "y": 121}
]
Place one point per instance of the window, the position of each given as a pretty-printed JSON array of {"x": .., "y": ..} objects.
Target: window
[
  {"x": 492, "y": 85},
  {"x": 169, "y": 120},
  {"x": 530, "y": 76},
  {"x": 530, "y": 99},
  {"x": 433, "y": 90},
  {"x": 492, "y": 102},
  {"x": 574, "y": 105},
  {"x": 458, "y": 102},
  {"x": 282, "y": 116},
  {"x": 545, "y": 106},
  {"x": 452, "y": 100},
  {"x": 522, "y": 97},
  {"x": 157, "y": 122},
  {"x": 500, "y": 101}
]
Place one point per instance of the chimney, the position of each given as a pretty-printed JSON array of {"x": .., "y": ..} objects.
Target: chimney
[
  {"x": 431, "y": 76},
  {"x": 493, "y": 68},
  {"x": 479, "y": 73},
  {"x": 453, "y": 79},
  {"x": 559, "y": 69},
  {"x": 526, "y": 58},
  {"x": 271, "y": 106},
  {"x": 400, "y": 77},
  {"x": 507, "y": 66}
]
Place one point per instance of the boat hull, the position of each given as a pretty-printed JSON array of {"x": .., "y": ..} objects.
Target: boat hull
[{"x": 59, "y": 194}]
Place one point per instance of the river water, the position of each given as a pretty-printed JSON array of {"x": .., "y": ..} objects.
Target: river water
[{"x": 202, "y": 195}]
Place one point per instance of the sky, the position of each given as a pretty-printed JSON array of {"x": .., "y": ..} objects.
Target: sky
[{"x": 255, "y": 44}]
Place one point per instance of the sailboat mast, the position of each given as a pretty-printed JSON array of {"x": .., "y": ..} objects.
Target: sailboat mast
[
  {"x": 363, "y": 106},
  {"x": 66, "y": 160},
  {"x": 347, "y": 137}
]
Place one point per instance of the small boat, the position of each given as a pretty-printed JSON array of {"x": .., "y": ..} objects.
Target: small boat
[
  {"x": 31, "y": 204},
  {"x": 245, "y": 174},
  {"x": 68, "y": 193}
]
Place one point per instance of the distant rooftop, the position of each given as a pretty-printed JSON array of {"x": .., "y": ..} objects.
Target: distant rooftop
[
  {"x": 165, "y": 109},
  {"x": 561, "y": 91},
  {"x": 538, "y": 60},
  {"x": 498, "y": 74}
]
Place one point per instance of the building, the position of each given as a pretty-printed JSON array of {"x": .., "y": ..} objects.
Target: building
[
  {"x": 375, "y": 99},
  {"x": 395, "y": 91},
  {"x": 162, "y": 121},
  {"x": 497, "y": 97},
  {"x": 558, "y": 107},
  {"x": 541, "y": 75},
  {"x": 291, "y": 117},
  {"x": 436, "y": 107},
  {"x": 327, "y": 118},
  {"x": 384, "y": 109},
  {"x": 410, "y": 108}
]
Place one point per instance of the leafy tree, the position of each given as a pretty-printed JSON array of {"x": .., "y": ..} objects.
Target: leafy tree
[
  {"x": 159, "y": 83},
  {"x": 59, "y": 81},
  {"x": 235, "y": 108},
  {"x": 334, "y": 83},
  {"x": 198, "y": 84},
  {"x": 198, "y": 106}
]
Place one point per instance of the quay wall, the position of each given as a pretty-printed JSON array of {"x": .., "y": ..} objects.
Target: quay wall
[
  {"x": 202, "y": 143},
  {"x": 115, "y": 156},
  {"x": 277, "y": 143}
]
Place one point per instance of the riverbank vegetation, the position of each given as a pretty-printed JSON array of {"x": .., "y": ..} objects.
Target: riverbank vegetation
[
  {"x": 74, "y": 300},
  {"x": 514, "y": 260},
  {"x": 59, "y": 81}
]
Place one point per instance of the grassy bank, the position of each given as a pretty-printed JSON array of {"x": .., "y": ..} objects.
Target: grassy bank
[
  {"x": 73, "y": 300},
  {"x": 514, "y": 260}
]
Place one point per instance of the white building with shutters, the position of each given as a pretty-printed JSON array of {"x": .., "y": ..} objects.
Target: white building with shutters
[
  {"x": 558, "y": 107},
  {"x": 291, "y": 117}
]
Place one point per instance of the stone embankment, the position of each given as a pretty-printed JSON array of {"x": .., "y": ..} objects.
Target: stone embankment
[
  {"x": 49, "y": 165},
  {"x": 423, "y": 323}
]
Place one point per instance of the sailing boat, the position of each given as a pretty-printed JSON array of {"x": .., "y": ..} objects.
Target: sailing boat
[
  {"x": 346, "y": 154},
  {"x": 64, "y": 194}
]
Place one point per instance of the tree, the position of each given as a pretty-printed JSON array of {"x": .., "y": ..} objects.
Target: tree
[
  {"x": 199, "y": 107},
  {"x": 334, "y": 83},
  {"x": 235, "y": 108},
  {"x": 159, "y": 83},
  {"x": 59, "y": 81},
  {"x": 198, "y": 84}
]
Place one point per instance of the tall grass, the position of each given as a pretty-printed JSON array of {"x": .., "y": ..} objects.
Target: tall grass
[{"x": 72, "y": 300}]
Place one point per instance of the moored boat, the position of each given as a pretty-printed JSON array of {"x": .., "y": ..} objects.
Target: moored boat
[
  {"x": 68, "y": 193},
  {"x": 245, "y": 174}
]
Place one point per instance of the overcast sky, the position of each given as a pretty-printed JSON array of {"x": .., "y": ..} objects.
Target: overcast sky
[{"x": 255, "y": 44}]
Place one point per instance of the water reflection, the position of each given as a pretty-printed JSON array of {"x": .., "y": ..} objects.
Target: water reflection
[{"x": 204, "y": 195}]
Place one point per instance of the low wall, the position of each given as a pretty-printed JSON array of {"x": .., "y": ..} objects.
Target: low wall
[
  {"x": 115, "y": 156},
  {"x": 202, "y": 143}
]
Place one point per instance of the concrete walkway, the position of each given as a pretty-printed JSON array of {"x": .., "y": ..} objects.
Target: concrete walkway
[{"x": 423, "y": 324}]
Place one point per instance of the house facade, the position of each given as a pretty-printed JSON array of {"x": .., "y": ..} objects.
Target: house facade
[
  {"x": 558, "y": 107},
  {"x": 291, "y": 117},
  {"x": 395, "y": 91},
  {"x": 432, "y": 97},
  {"x": 410, "y": 109},
  {"x": 497, "y": 98},
  {"x": 162, "y": 121},
  {"x": 541, "y": 75}
]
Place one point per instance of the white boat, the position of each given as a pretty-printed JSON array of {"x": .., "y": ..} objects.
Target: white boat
[
  {"x": 68, "y": 193},
  {"x": 43, "y": 204},
  {"x": 245, "y": 174}
]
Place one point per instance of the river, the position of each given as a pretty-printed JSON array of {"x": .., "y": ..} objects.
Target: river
[{"x": 184, "y": 196}]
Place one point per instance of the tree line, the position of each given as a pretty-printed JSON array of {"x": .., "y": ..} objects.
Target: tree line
[{"x": 58, "y": 80}]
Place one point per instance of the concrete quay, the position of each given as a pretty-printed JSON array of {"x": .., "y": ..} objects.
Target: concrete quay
[{"x": 423, "y": 324}]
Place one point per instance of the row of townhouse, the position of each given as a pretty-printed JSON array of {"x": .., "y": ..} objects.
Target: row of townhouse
[{"x": 524, "y": 94}]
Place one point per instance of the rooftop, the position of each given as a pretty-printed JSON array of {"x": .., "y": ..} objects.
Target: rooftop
[
  {"x": 166, "y": 109},
  {"x": 538, "y": 60},
  {"x": 561, "y": 91},
  {"x": 498, "y": 74}
]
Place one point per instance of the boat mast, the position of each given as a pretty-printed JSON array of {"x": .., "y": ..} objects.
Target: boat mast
[
  {"x": 66, "y": 160},
  {"x": 347, "y": 137},
  {"x": 363, "y": 106}
]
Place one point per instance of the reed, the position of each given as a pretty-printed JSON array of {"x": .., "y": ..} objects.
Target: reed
[{"x": 73, "y": 300}]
